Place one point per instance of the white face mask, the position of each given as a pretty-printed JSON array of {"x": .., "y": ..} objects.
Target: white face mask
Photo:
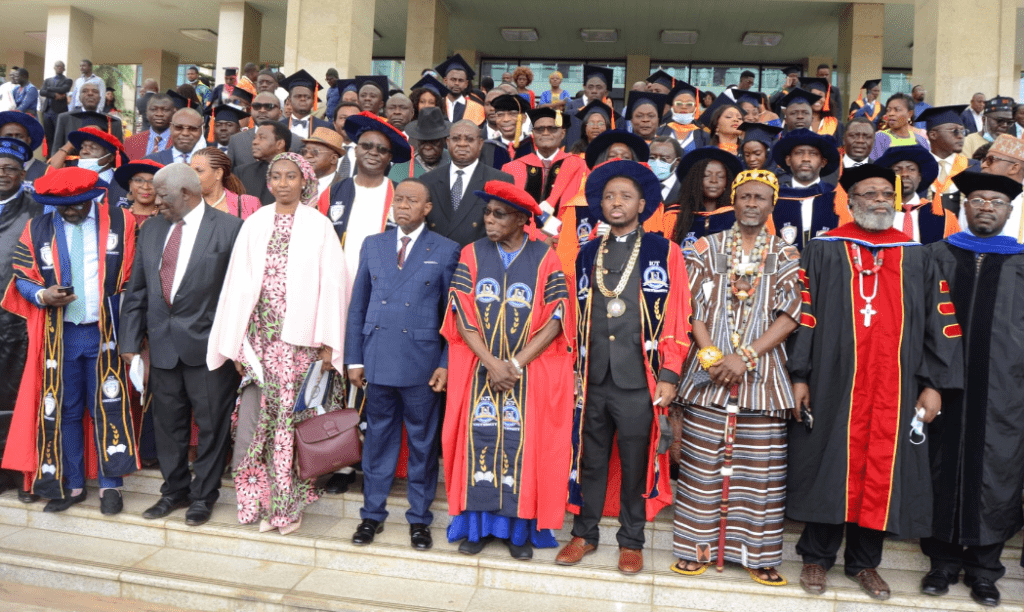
[
  {"x": 96, "y": 165},
  {"x": 661, "y": 169},
  {"x": 683, "y": 118}
]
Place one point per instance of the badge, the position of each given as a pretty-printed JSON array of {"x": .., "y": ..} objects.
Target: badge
[
  {"x": 689, "y": 241},
  {"x": 111, "y": 387},
  {"x": 655, "y": 278},
  {"x": 788, "y": 233},
  {"x": 487, "y": 290},
  {"x": 485, "y": 414},
  {"x": 46, "y": 254},
  {"x": 48, "y": 468},
  {"x": 583, "y": 231},
  {"x": 510, "y": 419},
  {"x": 583, "y": 287},
  {"x": 335, "y": 212},
  {"x": 533, "y": 170},
  {"x": 821, "y": 232},
  {"x": 519, "y": 296},
  {"x": 112, "y": 241},
  {"x": 49, "y": 406}
]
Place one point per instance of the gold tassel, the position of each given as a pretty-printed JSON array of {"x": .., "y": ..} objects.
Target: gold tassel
[
  {"x": 558, "y": 119},
  {"x": 519, "y": 130},
  {"x": 899, "y": 194}
]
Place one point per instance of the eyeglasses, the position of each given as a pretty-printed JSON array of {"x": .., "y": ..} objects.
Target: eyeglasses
[
  {"x": 684, "y": 105},
  {"x": 597, "y": 124},
  {"x": 546, "y": 129},
  {"x": 313, "y": 151},
  {"x": 138, "y": 181},
  {"x": 991, "y": 159},
  {"x": 1001, "y": 121},
  {"x": 187, "y": 128},
  {"x": 264, "y": 106},
  {"x": 873, "y": 196},
  {"x": 978, "y": 203},
  {"x": 954, "y": 131},
  {"x": 369, "y": 147},
  {"x": 497, "y": 214},
  {"x": 10, "y": 170},
  {"x": 463, "y": 139}
]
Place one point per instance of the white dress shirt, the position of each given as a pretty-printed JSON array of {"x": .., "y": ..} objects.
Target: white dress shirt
[
  {"x": 849, "y": 162},
  {"x": 325, "y": 183},
  {"x": 979, "y": 120},
  {"x": 298, "y": 129},
  {"x": 467, "y": 173},
  {"x": 450, "y": 105},
  {"x": 946, "y": 163},
  {"x": 897, "y": 221},
  {"x": 89, "y": 287},
  {"x": 492, "y": 133},
  {"x": 667, "y": 185},
  {"x": 188, "y": 241},
  {"x": 806, "y": 206},
  {"x": 180, "y": 157},
  {"x": 366, "y": 219}
]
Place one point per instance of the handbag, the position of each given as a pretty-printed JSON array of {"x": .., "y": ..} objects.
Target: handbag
[{"x": 326, "y": 442}]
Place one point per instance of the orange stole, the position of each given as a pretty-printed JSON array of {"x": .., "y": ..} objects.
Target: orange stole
[
  {"x": 828, "y": 126},
  {"x": 960, "y": 163}
]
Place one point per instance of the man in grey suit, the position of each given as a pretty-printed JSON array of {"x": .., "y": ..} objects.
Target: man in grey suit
[
  {"x": 266, "y": 107},
  {"x": 181, "y": 259},
  {"x": 457, "y": 214}
]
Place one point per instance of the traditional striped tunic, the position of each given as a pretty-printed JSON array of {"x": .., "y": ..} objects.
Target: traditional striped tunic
[{"x": 757, "y": 490}]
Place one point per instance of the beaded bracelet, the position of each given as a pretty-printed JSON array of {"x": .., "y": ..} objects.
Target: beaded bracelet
[{"x": 749, "y": 356}]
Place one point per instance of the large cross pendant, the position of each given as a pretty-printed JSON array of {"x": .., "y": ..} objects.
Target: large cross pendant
[{"x": 867, "y": 311}]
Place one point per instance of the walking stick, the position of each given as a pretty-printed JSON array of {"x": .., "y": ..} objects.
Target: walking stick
[{"x": 732, "y": 409}]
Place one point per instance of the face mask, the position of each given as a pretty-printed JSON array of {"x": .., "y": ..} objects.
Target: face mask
[
  {"x": 96, "y": 165},
  {"x": 661, "y": 169},
  {"x": 683, "y": 118}
]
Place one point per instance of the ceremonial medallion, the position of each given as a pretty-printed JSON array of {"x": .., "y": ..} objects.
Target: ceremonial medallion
[{"x": 616, "y": 307}]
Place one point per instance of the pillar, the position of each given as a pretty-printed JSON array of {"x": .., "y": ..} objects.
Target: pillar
[
  {"x": 861, "y": 32},
  {"x": 960, "y": 49},
  {"x": 473, "y": 58},
  {"x": 238, "y": 37},
  {"x": 68, "y": 39},
  {"x": 322, "y": 34},
  {"x": 426, "y": 38},
  {"x": 638, "y": 68},
  {"x": 812, "y": 62},
  {"x": 29, "y": 61},
  {"x": 162, "y": 66}
]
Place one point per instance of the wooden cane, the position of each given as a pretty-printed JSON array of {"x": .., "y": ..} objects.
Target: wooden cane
[{"x": 730, "y": 437}]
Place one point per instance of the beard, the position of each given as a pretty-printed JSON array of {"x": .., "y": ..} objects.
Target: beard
[{"x": 873, "y": 221}]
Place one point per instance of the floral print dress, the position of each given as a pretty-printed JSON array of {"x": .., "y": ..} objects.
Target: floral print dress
[{"x": 266, "y": 480}]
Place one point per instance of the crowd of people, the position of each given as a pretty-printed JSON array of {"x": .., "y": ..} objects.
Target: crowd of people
[{"x": 789, "y": 309}]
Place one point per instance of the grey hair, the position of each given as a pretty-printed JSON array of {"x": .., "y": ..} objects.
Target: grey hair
[
  {"x": 269, "y": 94},
  {"x": 179, "y": 176},
  {"x": 466, "y": 122}
]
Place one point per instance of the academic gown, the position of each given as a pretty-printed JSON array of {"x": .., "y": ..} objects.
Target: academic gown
[
  {"x": 787, "y": 218},
  {"x": 977, "y": 443},
  {"x": 707, "y": 223},
  {"x": 858, "y": 464}
]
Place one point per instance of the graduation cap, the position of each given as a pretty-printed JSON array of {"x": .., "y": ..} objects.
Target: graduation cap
[
  {"x": 123, "y": 175},
  {"x": 432, "y": 85},
  {"x": 509, "y": 102},
  {"x": 230, "y": 72},
  {"x": 561, "y": 119},
  {"x": 604, "y": 141},
  {"x": 745, "y": 95},
  {"x": 366, "y": 121},
  {"x": 27, "y": 121},
  {"x": 227, "y": 112},
  {"x": 788, "y": 70},
  {"x": 104, "y": 139},
  {"x": 14, "y": 148},
  {"x": 509, "y": 194},
  {"x": 818, "y": 84},
  {"x": 941, "y": 115},
  {"x": 179, "y": 100},
  {"x": 242, "y": 94},
  {"x": 650, "y": 186},
  {"x": 605, "y": 74},
  {"x": 970, "y": 181},
  {"x": 662, "y": 78},
  {"x": 95, "y": 119},
  {"x": 760, "y": 132},
  {"x": 826, "y": 145},
  {"x": 301, "y": 79},
  {"x": 455, "y": 62},
  {"x": 597, "y": 106},
  {"x": 720, "y": 101},
  {"x": 639, "y": 98},
  {"x": 926, "y": 164},
  {"x": 682, "y": 87},
  {"x": 797, "y": 95},
  {"x": 871, "y": 84},
  {"x": 727, "y": 159},
  {"x": 856, "y": 174},
  {"x": 377, "y": 80},
  {"x": 344, "y": 85}
]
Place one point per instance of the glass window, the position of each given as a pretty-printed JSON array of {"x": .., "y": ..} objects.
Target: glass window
[
  {"x": 893, "y": 82},
  {"x": 717, "y": 78},
  {"x": 394, "y": 69},
  {"x": 772, "y": 79},
  {"x": 572, "y": 74},
  {"x": 681, "y": 72}
]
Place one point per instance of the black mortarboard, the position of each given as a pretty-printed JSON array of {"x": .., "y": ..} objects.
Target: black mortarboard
[
  {"x": 852, "y": 176},
  {"x": 730, "y": 161},
  {"x": 242, "y": 94},
  {"x": 941, "y": 115},
  {"x": 799, "y": 95},
  {"x": 301, "y": 79},
  {"x": 227, "y": 112},
  {"x": 760, "y": 132},
  {"x": 815, "y": 84},
  {"x": 432, "y": 85},
  {"x": 605, "y": 74},
  {"x": 179, "y": 100},
  {"x": 509, "y": 102},
  {"x": 662, "y": 78},
  {"x": 788, "y": 70},
  {"x": 720, "y": 101},
  {"x": 231, "y": 72},
  {"x": 871, "y": 84},
  {"x": 754, "y": 97},
  {"x": 802, "y": 136},
  {"x": 93, "y": 118},
  {"x": 682, "y": 87},
  {"x": 344, "y": 85},
  {"x": 377, "y": 80},
  {"x": 638, "y": 98},
  {"x": 597, "y": 106},
  {"x": 455, "y": 62},
  {"x": 968, "y": 182},
  {"x": 561, "y": 119}
]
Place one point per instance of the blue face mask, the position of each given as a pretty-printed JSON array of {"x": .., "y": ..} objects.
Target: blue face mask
[
  {"x": 683, "y": 118},
  {"x": 661, "y": 169}
]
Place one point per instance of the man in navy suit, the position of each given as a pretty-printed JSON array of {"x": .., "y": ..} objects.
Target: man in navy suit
[
  {"x": 186, "y": 130},
  {"x": 395, "y": 351}
]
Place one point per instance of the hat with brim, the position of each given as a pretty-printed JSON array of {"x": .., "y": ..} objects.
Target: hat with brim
[
  {"x": 16, "y": 149},
  {"x": 432, "y": 85},
  {"x": 31, "y": 125},
  {"x": 650, "y": 186},
  {"x": 455, "y": 62},
  {"x": 708, "y": 113},
  {"x": 68, "y": 187},
  {"x": 926, "y": 164},
  {"x": 597, "y": 106},
  {"x": 863, "y": 172},
  {"x": 969, "y": 182},
  {"x": 507, "y": 193},
  {"x": 727, "y": 159},
  {"x": 431, "y": 125},
  {"x": 105, "y": 140},
  {"x": 802, "y": 136},
  {"x": 227, "y": 112},
  {"x": 604, "y": 141},
  {"x": 366, "y": 121},
  {"x": 123, "y": 175},
  {"x": 377, "y": 80},
  {"x": 328, "y": 138}
]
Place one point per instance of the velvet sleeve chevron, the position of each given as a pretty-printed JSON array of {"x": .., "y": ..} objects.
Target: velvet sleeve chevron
[{"x": 942, "y": 364}]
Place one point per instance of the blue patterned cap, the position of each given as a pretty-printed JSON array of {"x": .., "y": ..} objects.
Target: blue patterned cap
[{"x": 16, "y": 149}]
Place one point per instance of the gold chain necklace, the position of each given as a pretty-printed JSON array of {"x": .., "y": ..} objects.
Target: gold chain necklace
[{"x": 616, "y": 307}]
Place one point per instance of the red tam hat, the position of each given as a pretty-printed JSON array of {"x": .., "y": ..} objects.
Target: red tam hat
[
  {"x": 104, "y": 139},
  {"x": 68, "y": 186},
  {"x": 507, "y": 193}
]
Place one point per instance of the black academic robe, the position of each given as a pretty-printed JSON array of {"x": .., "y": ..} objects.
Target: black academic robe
[
  {"x": 858, "y": 463},
  {"x": 787, "y": 218},
  {"x": 977, "y": 443}
]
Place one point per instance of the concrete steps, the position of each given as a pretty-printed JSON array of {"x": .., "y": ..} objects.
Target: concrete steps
[{"x": 226, "y": 566}]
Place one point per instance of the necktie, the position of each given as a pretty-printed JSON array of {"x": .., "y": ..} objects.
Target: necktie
[
  {"x": 302, "y": 123},
  {"x": 908, "y": 221},
  {"x": 75, "y": 311},
  {"x": 345, "y": 169},
  {"x": 184, "y": 157},
  {"x": 544, "y": 178},
  {"x": 457, "y": 190},
  {"x": 943, "y": 172},
  {"x": 401, "y": 252},
  {"x": 170, "y": 261},
  {"x": 156, "y": 144}
]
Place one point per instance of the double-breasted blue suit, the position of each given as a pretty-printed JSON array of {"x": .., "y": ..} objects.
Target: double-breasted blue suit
[{"x": 393, "y": 331}]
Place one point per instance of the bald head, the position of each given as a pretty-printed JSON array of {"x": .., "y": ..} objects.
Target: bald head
[
  {"x": 177, "y": 191},
  {"x": 150, "y": 85},
  {"x": 186, "y": 129},
  {"x": 398, "y": 110},
  {"x": 266, "y": 106}
]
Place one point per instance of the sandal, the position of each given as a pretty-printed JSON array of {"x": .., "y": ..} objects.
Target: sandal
[
  {"x": 777, "y": 581},
  {"x": 685, "y": 572},
  {"x": 872, "y": 583}
]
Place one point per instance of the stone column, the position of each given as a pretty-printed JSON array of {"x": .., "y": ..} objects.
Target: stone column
[
  {"x": 812, "y": 62},
  {"x": 238, "y": 37},
  {"x": 861, "y": 30},
  {"x": 961, "y": 48},
  {"x": 638, "y": 68},
  {"x": 322, "y": 34},
  {"x": 29, "y": 61},
  {"x": 162, "y": 66},
  {"x": 68, "y": 39},
  {"x": 426, "y": 38},
  {"x": 473, "y": 58}
]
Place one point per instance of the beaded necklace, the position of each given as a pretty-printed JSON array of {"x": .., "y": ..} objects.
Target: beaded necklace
[
  {"x": 744, "y": 279},
  {"x": 867, "y": 311}
]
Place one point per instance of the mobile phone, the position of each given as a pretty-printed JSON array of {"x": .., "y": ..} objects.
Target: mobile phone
[
  {"x": 66, "y": 290},
  {"x": 807, "y": 418}
]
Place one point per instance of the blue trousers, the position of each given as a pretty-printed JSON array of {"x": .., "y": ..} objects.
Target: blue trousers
[
  {"x": 81, "y": 348},
  {"x": 387, "y": 408}
]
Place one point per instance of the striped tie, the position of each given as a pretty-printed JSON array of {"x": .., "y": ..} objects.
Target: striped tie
[{"x": 75, "y": 311}]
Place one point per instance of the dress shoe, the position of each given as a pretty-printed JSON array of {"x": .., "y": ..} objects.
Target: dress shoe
[
  {"x": 520, "y": 553},
  {"x": 936, "y": 582},
  {"x": 111, "y": 502},
  {"x": 164, "y": 506},
  {"x": 573, "y": 552},
  {"x": 872, "y": 584},
  {"x": 983, "y": 591},
  {"x": 419, "y": 534},
  {"x": 631, "y": 560},
  {"x": 472, "y": 548},
  {"x": 339, "y": 483},
  {"x": 27, "y": 497},
  {"x": 812, "y": 578},
  {"x": 198, "y": 513},
  {"x": 60, "y": 505},
  {"x": 366, "y": 531}
]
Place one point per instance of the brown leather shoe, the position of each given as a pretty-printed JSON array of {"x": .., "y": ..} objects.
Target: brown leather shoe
[
  {"x": 573, "y": 552},
  {"x": 631, "y": 560},
  {"x": 872, "y": 583},
  {"x": 812, "y": 578}
]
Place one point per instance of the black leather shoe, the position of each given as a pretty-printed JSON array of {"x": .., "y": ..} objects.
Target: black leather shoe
[
  {"x": 27, "y": 497},
  {"x": 420, "y": 536},
  {"x": 164, "y": 506},
  {"x": 520, "y": 553},
  {"x": 60, "y": 505},
  {"x": 983, "y": 591},
  {"x": 111, "y": 502},
  {"x": 936, "y": 582},
  {"x": 365, "y": 531},
  {"x": 472, "y": 548},
  {"x": 198, "y": 513},
  {"x": 339, "y": 483}
]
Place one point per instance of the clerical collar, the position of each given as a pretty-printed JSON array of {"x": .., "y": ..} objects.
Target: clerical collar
[
  {"x": 624, "y": 237},
  {"x": 798, "y": 185},
  {"x": 849, "y": 162},
  {"x": 913, "y": 202}
]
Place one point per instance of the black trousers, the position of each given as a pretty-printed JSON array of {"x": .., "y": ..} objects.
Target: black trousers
[
  {"x": 49, "y": 129},
  {"x": 628, "y": 412},
  {"x": 179, "y": 395},
  {"x": 819, "y": 543},
  {"x": 975, "y": 561}
]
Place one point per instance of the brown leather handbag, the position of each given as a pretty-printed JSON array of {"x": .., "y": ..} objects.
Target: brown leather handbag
[{"x": 327, "y": 442}]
